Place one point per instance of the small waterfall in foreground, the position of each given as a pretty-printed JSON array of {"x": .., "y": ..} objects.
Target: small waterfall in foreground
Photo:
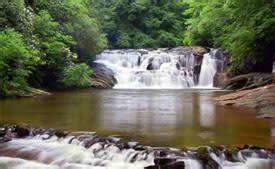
[
  {"x": 163, "y": 68},
  {"x": 88, "y": 151}
]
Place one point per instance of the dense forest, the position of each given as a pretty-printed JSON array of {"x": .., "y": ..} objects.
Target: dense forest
[{"x": 48, "y": 44}]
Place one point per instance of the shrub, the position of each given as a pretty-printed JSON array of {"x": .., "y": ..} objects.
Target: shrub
[
  {"x": 16, "y": 62},
  {"x": 77, "y": 76}
]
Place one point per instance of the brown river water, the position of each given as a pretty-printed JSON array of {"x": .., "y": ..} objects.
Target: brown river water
[{"x": 174, "y": 118}]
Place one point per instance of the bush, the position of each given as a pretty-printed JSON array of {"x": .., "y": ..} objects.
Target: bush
[
  {"x": 77, "y": 76},
  {"x": 16, "y": 63}
]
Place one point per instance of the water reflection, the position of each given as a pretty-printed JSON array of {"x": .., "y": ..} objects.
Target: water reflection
[{"x": 158, "y": 117}]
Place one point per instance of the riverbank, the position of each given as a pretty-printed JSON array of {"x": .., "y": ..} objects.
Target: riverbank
[
  {"x": 54, "y": 149},
  {"x": 262, "y": 99}
]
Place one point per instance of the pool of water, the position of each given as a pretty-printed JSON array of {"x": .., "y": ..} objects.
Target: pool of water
[{"x": 174, "y": 118}]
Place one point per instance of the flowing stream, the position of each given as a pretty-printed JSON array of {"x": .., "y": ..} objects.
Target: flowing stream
[
  {"x": 157, "y": 118},
  {"x": 161, "y": 68}
]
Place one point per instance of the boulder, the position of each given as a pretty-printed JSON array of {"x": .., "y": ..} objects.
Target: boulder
[
  {"x": 220, "y": 80},
  {"x": 167, "y": 163},
  {"x": 102, "y": 77},
  {"x": 248, "y": 81},
  {"x": 262, "y": 99},
  {"x": 207, "y": 162},
  {"x": 22, "y": 130}
]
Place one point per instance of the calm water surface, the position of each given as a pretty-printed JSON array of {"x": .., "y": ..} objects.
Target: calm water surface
[{"x": 175, "y": 118}]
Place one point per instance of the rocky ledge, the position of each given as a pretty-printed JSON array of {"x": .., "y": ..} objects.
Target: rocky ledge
[
  {"x": 47, "y": 145},
  {"x": 102, "y": 77},
  {"x": 242, "y": 82},
  {"x": 262, "y": 99}
]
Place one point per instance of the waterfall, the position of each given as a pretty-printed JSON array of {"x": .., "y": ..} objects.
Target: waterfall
[
  {"x": 86, "y": 150},
  {"x": 159, "y": 69},
  {"x": 211, "y": 64}
]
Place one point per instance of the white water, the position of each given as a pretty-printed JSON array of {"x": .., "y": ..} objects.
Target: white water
[
  {"x": 210, "y": 65},
  {"x": 157, "y": 69},
  {"x": 56, "y": 153},
  {"x": 70, "y": 153}
]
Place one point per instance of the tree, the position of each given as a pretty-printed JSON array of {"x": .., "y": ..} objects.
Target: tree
[
  {"x": 139, "y": 23},
  {"x": 17, "y": 60},
  {"x": 243, "y": 28}
]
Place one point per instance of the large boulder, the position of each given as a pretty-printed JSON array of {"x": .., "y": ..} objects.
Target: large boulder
[
  {"x": 102, "y": 77},
  {"x": 248, "y": 81},
  {"x": 262, "y": 99}
]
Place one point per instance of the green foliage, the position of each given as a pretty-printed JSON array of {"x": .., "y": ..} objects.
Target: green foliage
[
  {"x": 58, "y": 33},
  {"x": 54, "y": 49},
  {"x": 139, "y": 23},
  {"x": 16, "y": 63},
  {"x": 77, "y": 76},
  {"x": 77, "y": 18},
  {"x": 14, "y": 13},
  {"x": 244, "y": 28}
]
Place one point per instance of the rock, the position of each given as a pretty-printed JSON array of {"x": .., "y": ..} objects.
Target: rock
[
  {"x": 248, "y": 81},
  {"x": 3, "y": 131},
  {"x": 262, "y": 99},
  {"x": 167, "y": 163},
  {"x": 176, "y": 165},
  {"x": 220, "y": 80},
  {"x": 207, "y": 162},
  {"x": 36, "y": 92},
  {"x": 273, "y": 78},
  {"x": 61, "y": 134},
  {"x": 151, "y": 167},
  {"x": 22, "y": 130},
  {"x": 102, "y": 77},
  {"x": 163, "y": 161}
]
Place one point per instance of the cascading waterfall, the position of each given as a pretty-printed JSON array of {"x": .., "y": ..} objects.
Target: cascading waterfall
[
  {"x": 211, "y": 63},
  {"x": 84, "y": 151},
  {"x": 158, "y": 69}
]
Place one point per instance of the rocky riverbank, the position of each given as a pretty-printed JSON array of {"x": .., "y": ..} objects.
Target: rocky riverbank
[
  {"x": 85, "y": 149},
  {"x": 262, "y": 99},
  {"x": 242, "y": 82}
]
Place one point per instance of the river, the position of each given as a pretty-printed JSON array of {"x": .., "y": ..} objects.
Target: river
[{"x": 174, "y": 118}]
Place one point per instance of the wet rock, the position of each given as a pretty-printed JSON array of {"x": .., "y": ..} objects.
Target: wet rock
[
  {"x": 248, "y": 81},
  {"x": 102, "y": 77},
  {"x": 220, "y": 80},
  {"x": 262, "y": 99},
  {"x": 22, "y": 130},
  {"x": 163, "y": 161},
  {"x": 151, "y": 167},
  {"x": 203, "y": 156},
  {"x": 32, "y": 92},
  {"x": 61, "y": 134},
  {"x": 232, "y": 155},
  {"x": 3, "y": 131},
  {"x": 150, "y": 67},
  {"x": 175, "y": 165},
  {"x": 167, "y": 163}
]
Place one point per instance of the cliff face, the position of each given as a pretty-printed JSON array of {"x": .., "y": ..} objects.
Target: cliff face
[{"x": 262, "y": 99}]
